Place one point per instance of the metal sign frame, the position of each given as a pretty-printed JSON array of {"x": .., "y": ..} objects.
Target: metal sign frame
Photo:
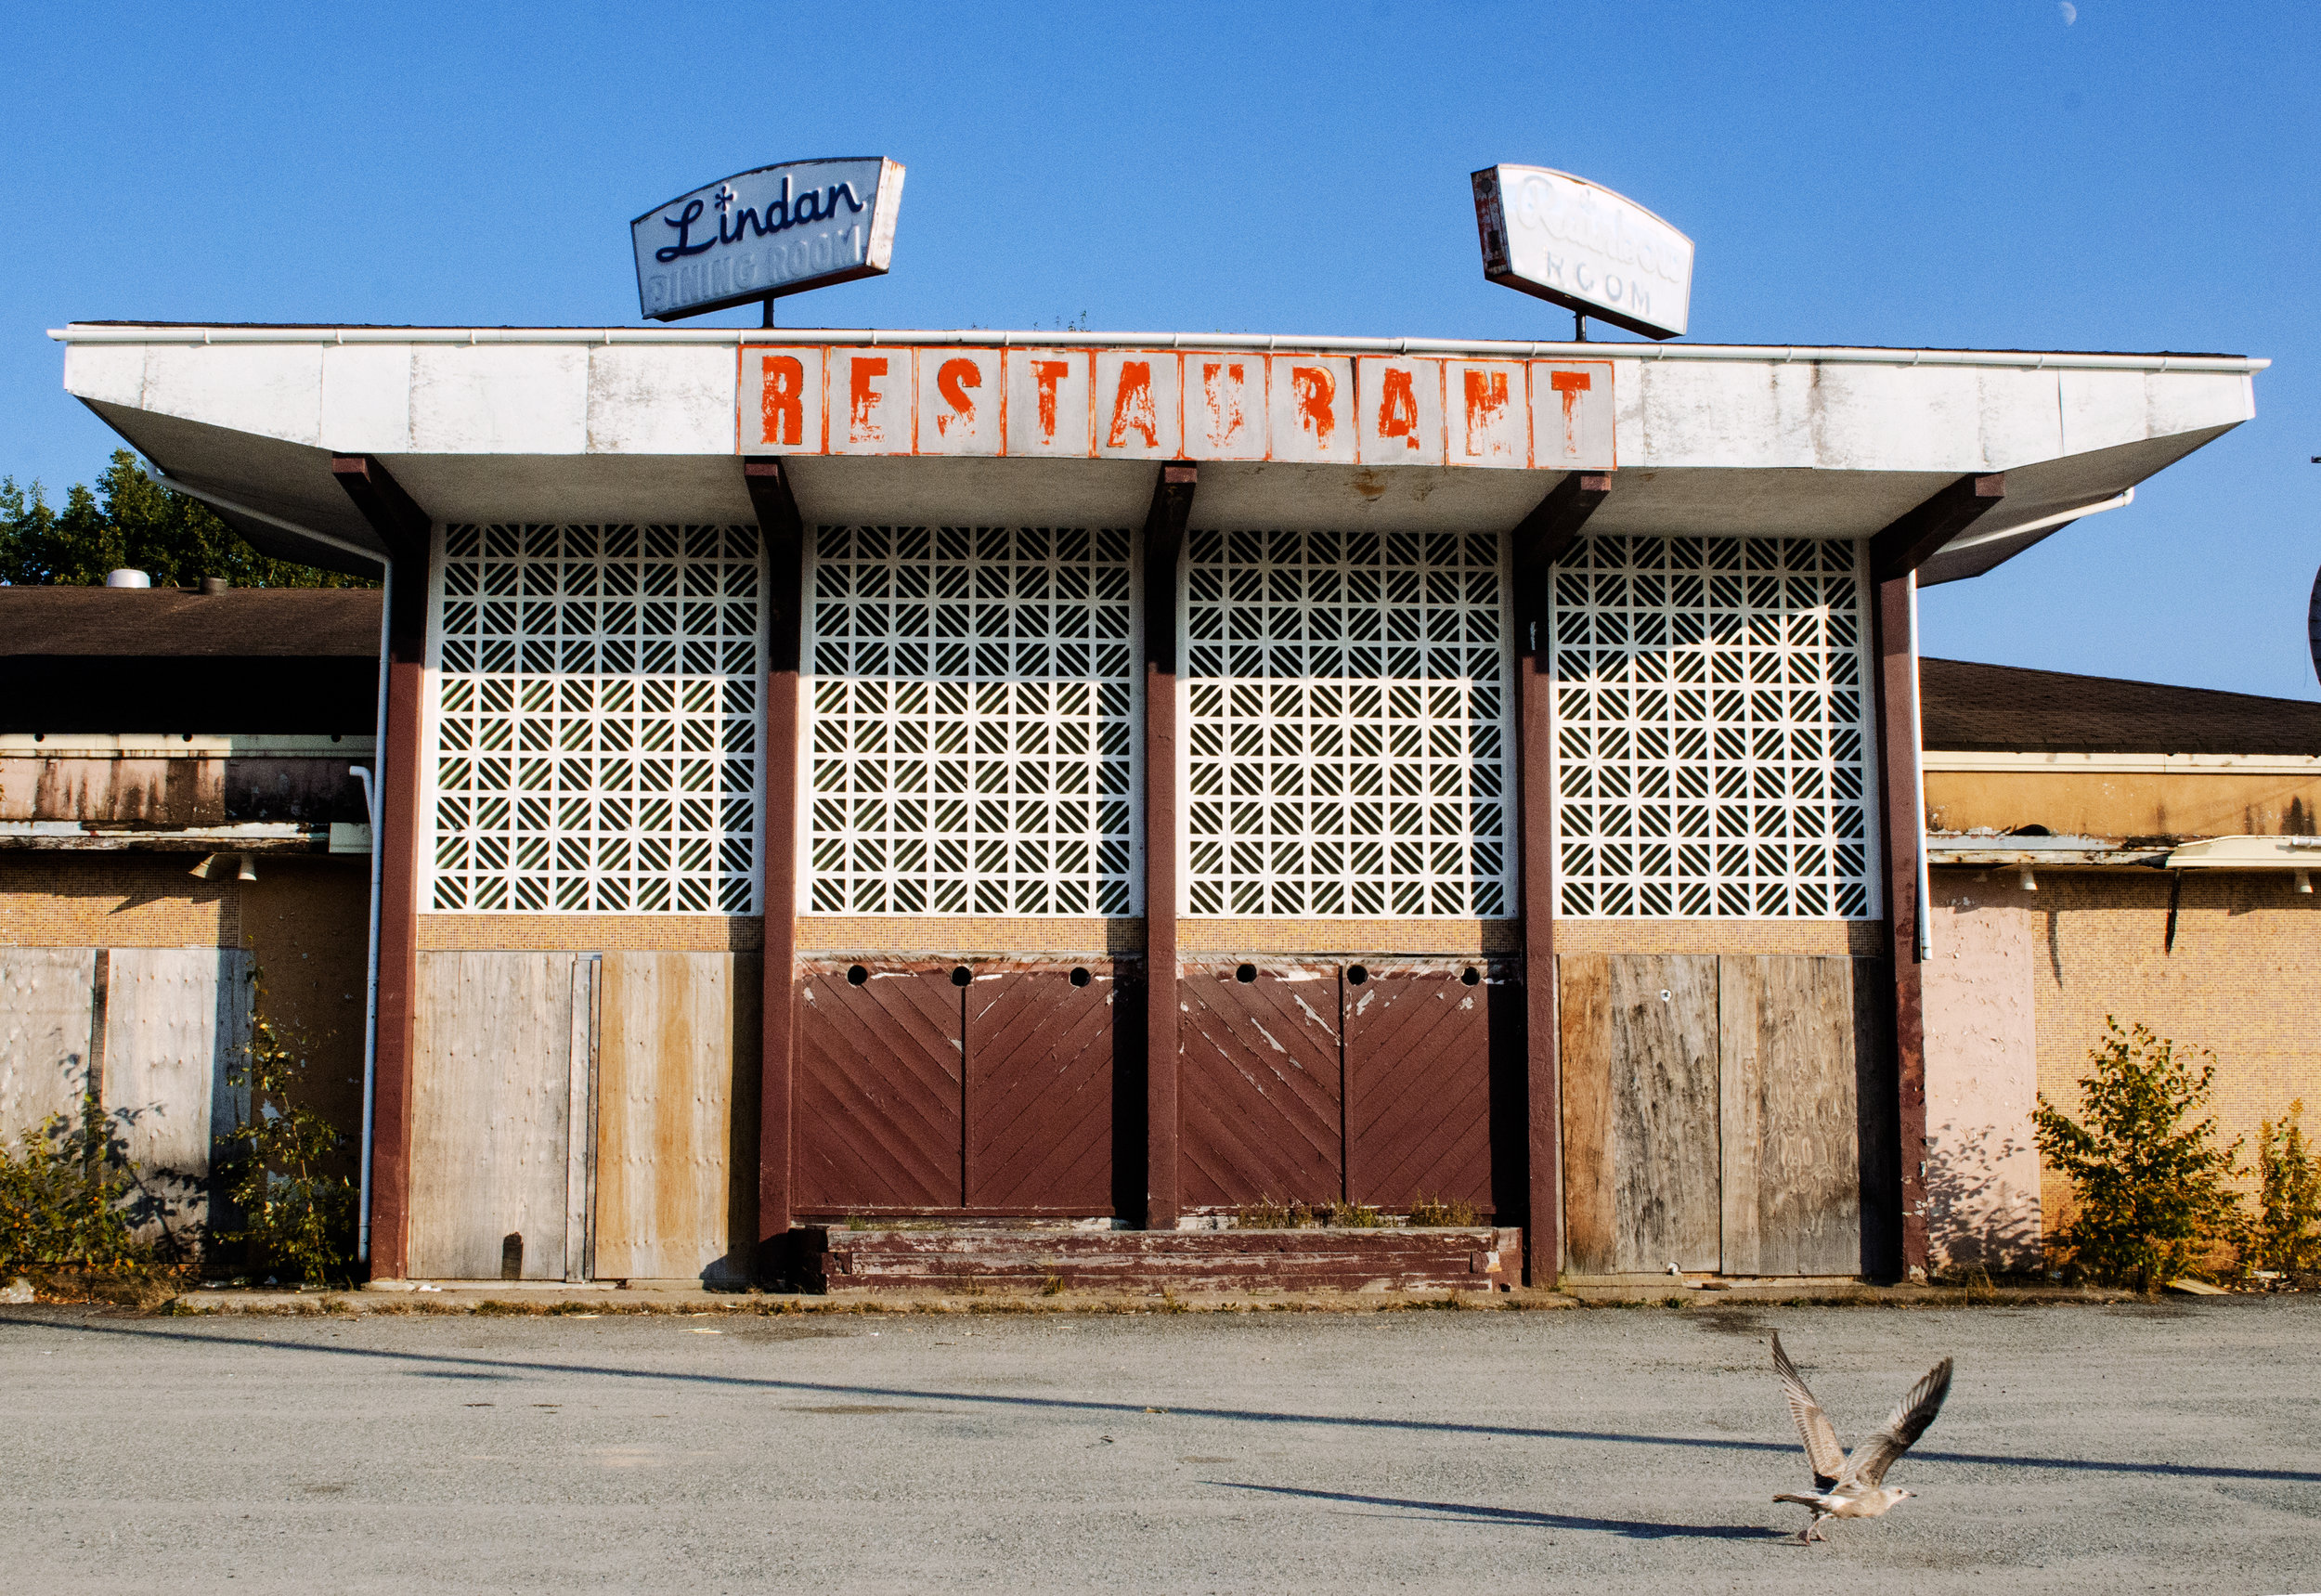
[
  {"x": 1579, "y": 245},
  {"x": 758, "y": 235}
]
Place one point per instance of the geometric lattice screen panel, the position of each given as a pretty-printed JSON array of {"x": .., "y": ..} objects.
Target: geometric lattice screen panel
[
  {"x": 1349, "y": 728},
  {"x": 597, "y": 720},
  {"x": 973, "y": 732},
  {"x": 1712, "y": 739}
]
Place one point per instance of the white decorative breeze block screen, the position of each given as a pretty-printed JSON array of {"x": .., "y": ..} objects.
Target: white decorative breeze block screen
[
  {"x": 973, "y": 735},
  {"x": 597, "y": 720},
  {"x": 1712, "y": 737},
  {"x": 1351, "y": 733}
]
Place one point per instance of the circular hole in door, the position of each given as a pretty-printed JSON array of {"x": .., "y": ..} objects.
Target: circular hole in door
[
  {"x": 1358, "y": 974},
  {"x": 856, "y": 975},
  {"x": 1470, "y": 977},
  {"x": 1246, "y": 974},
  {"x": 962, "y": 976},
  {"x": 1081, "y": 976}
]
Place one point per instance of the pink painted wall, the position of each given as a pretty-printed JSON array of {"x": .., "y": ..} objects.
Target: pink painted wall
[{"x": 1983, "y": 1081}]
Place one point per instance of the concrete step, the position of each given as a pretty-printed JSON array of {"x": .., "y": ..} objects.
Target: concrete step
[{"x": 969, "y": 1259}]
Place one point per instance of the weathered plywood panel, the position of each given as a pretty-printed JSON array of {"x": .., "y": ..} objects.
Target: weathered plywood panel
[
  {"x": 676, "y": 1116},
  {"x": 1039, "y": 1100},
  {"x": 1261, "y": 1085},
  {"x": 46, "y": 1014},
  {"x": 878, "y": 1105},
  {"x": 491, "y": 1094},
  {"x": 1642, "y": 1188},
  {"x": 177, "y": 1021},
  {"x": 581, "y": 1121},
  {"x": 1792, "y": 1200},
  {"x": 1419, "y": 1057}
]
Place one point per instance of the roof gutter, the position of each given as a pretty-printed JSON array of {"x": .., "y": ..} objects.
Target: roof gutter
[
  {"x": 371, "y": 802},
  {"x": 978, "y": 337}
]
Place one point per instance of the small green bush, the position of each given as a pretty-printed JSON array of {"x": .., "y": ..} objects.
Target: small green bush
[
  {"x": 64, "y": 1196},
  {"x": 2286, "y": 1234},
  {"x": 1435, "y": 1211},
  {"x": 297, "y": 1215},
  {"x": 2154, "y": 1200}
]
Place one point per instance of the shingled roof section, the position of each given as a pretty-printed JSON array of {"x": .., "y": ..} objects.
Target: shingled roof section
[
  {"x": 150, "y": 623},
  {"x": 273, "y": 660},
  {"x": 2000, "y": 709}
]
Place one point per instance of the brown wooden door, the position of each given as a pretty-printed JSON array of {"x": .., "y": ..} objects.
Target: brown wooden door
[
  {"x": 1419, "y": 1047},
  {"x": 878, "y": 1105},
  {"x": 1039, "y": 1102},
  {"x": 1260, "y": 1085}
]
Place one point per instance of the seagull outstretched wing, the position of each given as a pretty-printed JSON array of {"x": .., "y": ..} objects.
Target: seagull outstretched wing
[
  {"x": 1866, "y": 1469},
  {"x": 1821, "y": 1449}
]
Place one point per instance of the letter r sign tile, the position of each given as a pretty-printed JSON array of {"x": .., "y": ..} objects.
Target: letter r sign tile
[
  {"x": 1572, "y": 416},
  {"x": 780, "y": 409},
  {"x": 869, "y": 400},
  {"x": 963, "y": 395},
  {"x": 1309, "y": 407}
]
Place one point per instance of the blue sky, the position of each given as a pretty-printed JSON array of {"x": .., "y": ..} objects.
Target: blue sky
[{"x": 2017, "y": 175}]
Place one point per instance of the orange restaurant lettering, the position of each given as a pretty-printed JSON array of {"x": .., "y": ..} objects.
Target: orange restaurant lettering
[{"x": 1549, "y": 415}]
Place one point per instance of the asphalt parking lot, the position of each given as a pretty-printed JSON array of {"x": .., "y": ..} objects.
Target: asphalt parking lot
[{"x": 2126, "y": 1449}]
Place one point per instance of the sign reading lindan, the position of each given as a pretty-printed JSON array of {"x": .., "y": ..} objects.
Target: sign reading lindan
[
  {"x": 759, "y": 235},
  {"x": 1584, "y": 247},
  {"x": 1317, "y": 409}
]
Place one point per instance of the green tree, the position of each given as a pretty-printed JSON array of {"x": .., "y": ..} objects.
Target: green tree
[
  {"x": 2152, "y": 1194},
  {"x": 131, "y": 521},
  {"x": 2286, "y": 1234}
]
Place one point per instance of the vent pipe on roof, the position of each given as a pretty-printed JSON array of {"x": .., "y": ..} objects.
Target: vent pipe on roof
[{"x": 125, "y": 579}]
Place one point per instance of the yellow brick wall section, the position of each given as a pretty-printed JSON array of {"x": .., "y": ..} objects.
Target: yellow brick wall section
[
  {"x": 2243, "y": 980},
  {"x": 88, "y": 900},
  {"x": 591, "y": 933}
]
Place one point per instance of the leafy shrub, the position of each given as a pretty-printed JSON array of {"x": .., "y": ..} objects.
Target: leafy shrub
[
  {"x": 64, "y": 1196},
  {"x": 297, "y": 1216},
  {"x": 2153, "y": 1198},
  {"x": 2284, "y": 1237}
]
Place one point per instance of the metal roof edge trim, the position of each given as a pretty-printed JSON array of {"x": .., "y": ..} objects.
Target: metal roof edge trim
[{"x": 986, "y": 337}]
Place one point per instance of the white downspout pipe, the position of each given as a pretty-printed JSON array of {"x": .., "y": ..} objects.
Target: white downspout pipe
[{"x": 371, "y": 780}]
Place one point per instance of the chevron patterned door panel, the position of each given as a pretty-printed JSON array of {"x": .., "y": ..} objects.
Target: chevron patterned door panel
[
  {"x": 1261, "y": 1084},
  {"x": 1040, "y": 1073},
  {"x": 879, "y": 1100},
  {"x": 1423, "y": 1045}
]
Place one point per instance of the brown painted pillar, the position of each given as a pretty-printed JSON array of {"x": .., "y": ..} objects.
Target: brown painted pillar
[
  {"x": 1544, "y": 536},
  {"x": 779, "y": 524},
  {"x": 1903, "y": 836},
  {"x": 1164, "y": 546},
  {"x": 404, "y": 529}
]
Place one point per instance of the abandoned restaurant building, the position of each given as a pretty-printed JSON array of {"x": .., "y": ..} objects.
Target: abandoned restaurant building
[{"x": 1108, "y": 782}]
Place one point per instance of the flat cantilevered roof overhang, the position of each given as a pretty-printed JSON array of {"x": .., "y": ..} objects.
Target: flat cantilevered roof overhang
[{"x": 596, "y": 424}]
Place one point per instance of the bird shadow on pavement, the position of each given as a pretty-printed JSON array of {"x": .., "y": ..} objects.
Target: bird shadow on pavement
[{"x": 1634, "y": 1529}]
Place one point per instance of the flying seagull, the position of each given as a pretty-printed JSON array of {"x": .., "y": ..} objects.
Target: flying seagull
[{"x": 1853, "y": 1486}]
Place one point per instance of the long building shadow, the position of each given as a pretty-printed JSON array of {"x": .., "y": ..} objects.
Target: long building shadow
[
  {"x": 1635, "y": 1529},
  {"x": 442, "y": 1365}
]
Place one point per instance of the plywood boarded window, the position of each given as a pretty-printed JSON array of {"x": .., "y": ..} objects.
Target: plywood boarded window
[
  {"x": 1712, "y": 740},
  {"x": 972, "y": 722},
  {"x": 1349, "y": 731},
  {"x": 597, "y": 720}
]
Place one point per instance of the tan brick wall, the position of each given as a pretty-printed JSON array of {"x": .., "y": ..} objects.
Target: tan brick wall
[
  {"x": 591, "y": 933},
  {"x": 2243, "y": 979},
  {"x": 90, "y": 899},
  {"x": 1861, "y": 939}
]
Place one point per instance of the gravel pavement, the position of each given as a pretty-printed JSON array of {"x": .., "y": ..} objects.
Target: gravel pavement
[{"x": 2114, "y": 1450}]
